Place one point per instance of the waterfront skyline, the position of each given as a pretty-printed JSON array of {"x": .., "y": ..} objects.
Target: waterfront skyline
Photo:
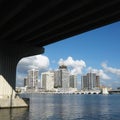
[{"x": 96, "y": 50}]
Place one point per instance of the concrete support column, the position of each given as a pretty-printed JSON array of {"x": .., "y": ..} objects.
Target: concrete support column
[
  {"x": 8, "y": 68},
  {"x": 10, "y": 56}
]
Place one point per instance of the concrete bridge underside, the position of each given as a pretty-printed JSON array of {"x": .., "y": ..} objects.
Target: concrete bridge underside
[{"x": 26, "y": 26}]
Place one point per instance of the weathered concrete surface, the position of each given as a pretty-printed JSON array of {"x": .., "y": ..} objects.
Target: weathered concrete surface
[
  {"x": 12, "y": 103},
  {"x": 8, "y": 97}
]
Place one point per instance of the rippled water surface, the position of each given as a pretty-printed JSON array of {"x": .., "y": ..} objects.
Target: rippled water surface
[{"x": 66, "y": 107}]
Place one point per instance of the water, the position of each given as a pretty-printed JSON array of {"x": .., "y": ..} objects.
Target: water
[{"x": 66, "y": 107}]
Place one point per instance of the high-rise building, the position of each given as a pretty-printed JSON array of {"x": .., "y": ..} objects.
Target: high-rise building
[
  {"x": 73, "y": 81},
  {"x": 90, "y": 81},
  {"x": 32, "y": 78},
  {"x": 60, "y": 79},
  {"x": 97, "y": 81},
  {"x": 57, "y": 79},
  {"x": 84, "y": 82},
  {"x": 64, "y": 76},
  {"x": 26, "y": 82},
  {"x": 47, "y": 80}
]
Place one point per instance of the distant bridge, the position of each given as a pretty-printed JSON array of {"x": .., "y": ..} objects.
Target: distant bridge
[
  {"x": 26, "y": 26},
  {"x": 114, "y": 91}
]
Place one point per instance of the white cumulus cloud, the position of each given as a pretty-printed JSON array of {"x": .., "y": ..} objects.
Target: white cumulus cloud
[
  {"x": 75, "y": 66},
  {"x": 111, "y": 69},
  {"x": 39, "y": 62}
]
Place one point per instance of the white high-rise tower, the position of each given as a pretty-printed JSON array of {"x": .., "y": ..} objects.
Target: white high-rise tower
[
  {"x": 47, "y": 80},
  {"x": 32, "y": 78}
]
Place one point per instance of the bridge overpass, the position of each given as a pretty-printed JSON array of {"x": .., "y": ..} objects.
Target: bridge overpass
[{"x": 26, "y": 26}]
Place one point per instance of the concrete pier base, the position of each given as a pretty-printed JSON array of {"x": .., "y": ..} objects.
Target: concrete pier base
[
  {"x": 8, "y": 97},
  {"x": 105, "y": 91},
  {"x": 12, "y": 103}
]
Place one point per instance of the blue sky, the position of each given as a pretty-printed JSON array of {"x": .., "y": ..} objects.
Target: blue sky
[
  {"x": 94, "y": 47},
  {"x": 98, "y": 49}
]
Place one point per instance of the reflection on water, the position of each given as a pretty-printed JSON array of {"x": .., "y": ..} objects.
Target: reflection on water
[
  {"x": 66, "y": 107},
  {"x": 14, "y": 114}
]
